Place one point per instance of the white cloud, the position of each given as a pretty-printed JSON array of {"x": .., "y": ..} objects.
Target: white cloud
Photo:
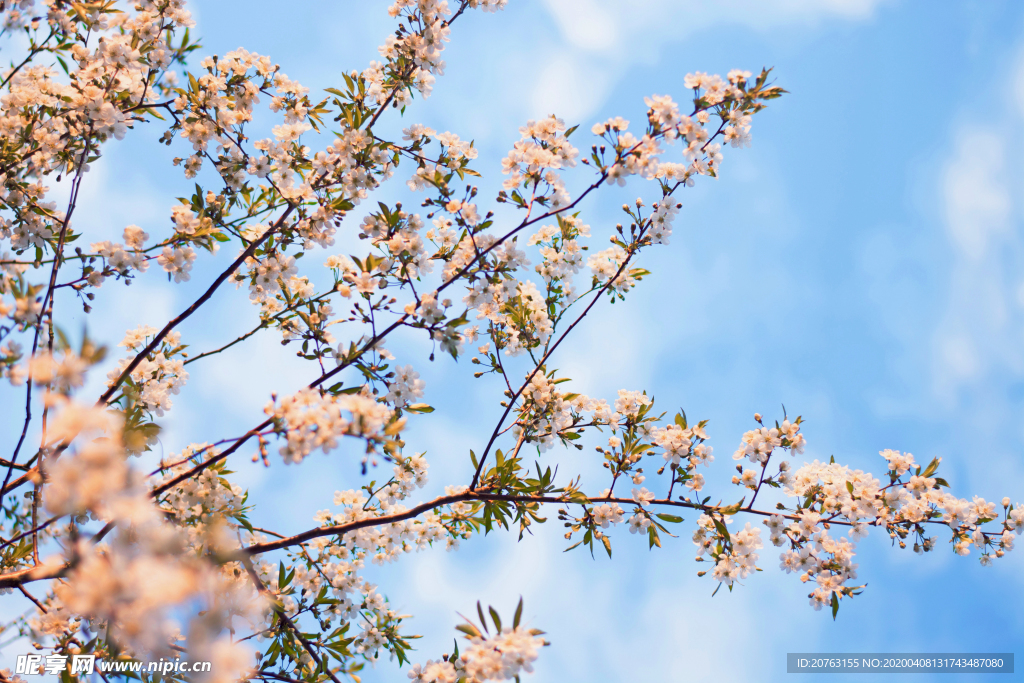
[
  {"x": 586, "y": 24},
  {"x": 610, "y": 36},
  {"x": 612, "y": 26},
  {"x": 977, "y": 196},
  {"x": 610, "y": 351},
  {"x": 569, "y": 87},
  {"x": 958, "y": 357},
  {"x": 1018, "y": 84},
  {"x": 981, "y": 329},
  {"x": 976, "y": 345}
]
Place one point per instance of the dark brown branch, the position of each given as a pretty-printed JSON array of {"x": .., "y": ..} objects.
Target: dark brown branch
[
  {"x": 195, "y": 305},
  {"x": 467, "y": 496},
  {"x": 30, "y": 574}
]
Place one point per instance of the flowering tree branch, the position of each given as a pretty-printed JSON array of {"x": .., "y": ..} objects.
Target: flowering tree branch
[{"x": 139, "y": 566}]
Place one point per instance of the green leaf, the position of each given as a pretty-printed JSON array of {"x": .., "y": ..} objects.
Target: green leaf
[
  {"x": 519, "y": 614},
  {"x": 932, "y": 467},
  {"x": 849, "y": 487},
  {"x": 669, "y": 518},
  {"x": 419, "y": 408},
  {"x": 734, "y": 508},
  {"x": 495, "y": 618},
  {"x": 480, "y": 612},
  {"x": 652, "y": 537},
  {"x": 835, "y": 605},
  {"x": 469, "y": 630}
]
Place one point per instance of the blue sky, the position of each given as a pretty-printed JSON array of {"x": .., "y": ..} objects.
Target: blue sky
[{"x": 862, "y": 263}]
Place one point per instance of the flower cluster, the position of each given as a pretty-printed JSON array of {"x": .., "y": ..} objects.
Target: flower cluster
[
  {"x": 736, "y": 558},
  {"x": 836, "y": 494},
  {"x": 684, "y": 449},
  {"x": 758, "y": 444},
  {"x": 607, "y": 268},
  {"x": 561, "y": 255},
  {"x": 421, "y": 49},
  {"x": 404, "y": 387},
  {"x": 120, "y": 259},
  {"x": 309, "y": 420},
  {"x": 534, "y": 161},
  {"x": 207, "y": 508},
  {"x": 548, "y": 414},
  {"x": 502, "y": 656},
  {"x": 131, "y": 584},
  {"x": 158, "y": 375},
  {"x": 95, "y": 479}
]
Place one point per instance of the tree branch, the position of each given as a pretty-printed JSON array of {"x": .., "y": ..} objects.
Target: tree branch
[
  {"x": 250, "y": 250},
  {"x": 469, "y": 496}
]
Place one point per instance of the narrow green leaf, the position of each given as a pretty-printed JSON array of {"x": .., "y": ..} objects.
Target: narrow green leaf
[
  {"x": 469, "y": 630},
  {"x": 722, "y": 529},
  {"x": 480, "y": 612},
  {"x": 734, "y": 508},
  {"x": 495, "y": 618}
]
